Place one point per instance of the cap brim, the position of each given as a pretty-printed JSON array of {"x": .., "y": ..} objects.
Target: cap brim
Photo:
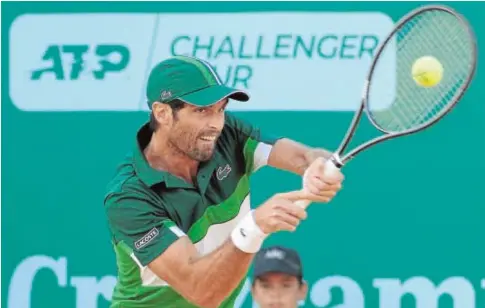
[
  {"x": 211, "y": 95},
  {"x": 275, "y": 267}
]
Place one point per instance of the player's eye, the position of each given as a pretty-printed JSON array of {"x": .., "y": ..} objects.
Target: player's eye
[
  {"x": 265, "y": 285},
  {"x": 200, "y": 110}
]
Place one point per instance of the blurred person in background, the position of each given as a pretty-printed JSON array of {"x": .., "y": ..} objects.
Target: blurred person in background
[{"x": 278, "y": 278}]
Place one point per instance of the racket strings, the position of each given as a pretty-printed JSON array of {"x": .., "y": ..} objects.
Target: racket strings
[
  {"x": 431, "y": 33},
  {"x": 413, "y": 106},
  {"x": 427, "y": 111}
]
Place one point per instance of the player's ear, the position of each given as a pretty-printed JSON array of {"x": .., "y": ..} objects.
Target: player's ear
[
  {"x": 162, "y": 113},
  {"x": 303, "y": 290}
]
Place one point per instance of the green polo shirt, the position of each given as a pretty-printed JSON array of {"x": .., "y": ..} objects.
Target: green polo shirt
[{"x": 148, "y": 210}]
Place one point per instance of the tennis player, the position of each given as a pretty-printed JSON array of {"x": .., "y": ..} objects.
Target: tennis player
[
  {"x": 278, "y": 278},
  {"x": 178, "y": 207}
]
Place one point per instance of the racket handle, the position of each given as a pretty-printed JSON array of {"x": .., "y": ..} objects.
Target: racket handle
[{"x": 331, "y": 170}]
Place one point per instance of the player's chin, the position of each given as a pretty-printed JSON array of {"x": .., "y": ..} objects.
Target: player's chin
[
  {"x": 206, "y": 146},
  {"x": 204, "y": 154}
]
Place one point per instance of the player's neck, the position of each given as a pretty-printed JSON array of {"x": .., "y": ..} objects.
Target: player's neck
[{"x": 162, "y": 155}]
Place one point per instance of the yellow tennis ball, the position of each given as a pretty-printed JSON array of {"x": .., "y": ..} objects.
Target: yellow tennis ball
[{"x": 427, "y": 71}]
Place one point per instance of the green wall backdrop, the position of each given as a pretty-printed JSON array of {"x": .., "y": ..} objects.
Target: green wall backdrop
[{"x": 406, "y": 229}]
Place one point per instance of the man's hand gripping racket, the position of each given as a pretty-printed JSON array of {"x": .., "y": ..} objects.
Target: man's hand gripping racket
[{"x": 434, "y": 54}]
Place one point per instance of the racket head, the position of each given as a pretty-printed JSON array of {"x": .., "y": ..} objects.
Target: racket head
[{"x": 432, "y": 30}]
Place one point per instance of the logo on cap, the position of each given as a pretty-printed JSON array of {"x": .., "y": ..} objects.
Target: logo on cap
[
  {"x": 275, "y": 254},
  {"x": 166, "y": 95}
]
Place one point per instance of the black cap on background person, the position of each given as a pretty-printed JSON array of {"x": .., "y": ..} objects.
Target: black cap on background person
[{"x": 278, "y": 278}]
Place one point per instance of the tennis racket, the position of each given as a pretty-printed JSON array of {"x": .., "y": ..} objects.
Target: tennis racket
[{"x": 446, "y": 40}]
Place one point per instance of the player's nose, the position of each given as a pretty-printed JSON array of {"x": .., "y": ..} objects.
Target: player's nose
[{"x": 217, "y": 122}]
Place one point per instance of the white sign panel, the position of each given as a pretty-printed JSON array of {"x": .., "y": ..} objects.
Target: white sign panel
[{"x": 286, "y": 61}]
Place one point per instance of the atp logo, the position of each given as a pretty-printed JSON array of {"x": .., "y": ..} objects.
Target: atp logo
[
  {"x": 80, "y": 62},
  {"x": 68, "y": 62}
]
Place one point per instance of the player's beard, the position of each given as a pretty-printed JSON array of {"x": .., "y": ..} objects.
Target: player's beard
[{"x": 189, "y": 143}]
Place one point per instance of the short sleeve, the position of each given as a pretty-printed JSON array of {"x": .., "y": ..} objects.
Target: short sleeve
[
  {"x": 255, "y": 145},
  {"x": 139, "y": 227}
]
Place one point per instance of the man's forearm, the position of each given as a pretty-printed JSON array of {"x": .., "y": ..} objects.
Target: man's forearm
[
  {"x": 216, "y": 275},
  {"x": 293, "y": 156},
  {"x": 206, "y": 280}
]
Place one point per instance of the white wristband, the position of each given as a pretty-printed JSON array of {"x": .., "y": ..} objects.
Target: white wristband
[{"x": 247, "y": 236}]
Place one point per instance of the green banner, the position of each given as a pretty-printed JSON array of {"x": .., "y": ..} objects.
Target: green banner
[{"x": 406, "y": 230}]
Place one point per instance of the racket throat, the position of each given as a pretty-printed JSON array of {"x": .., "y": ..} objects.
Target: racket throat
[{"x": 336, "y": 160}]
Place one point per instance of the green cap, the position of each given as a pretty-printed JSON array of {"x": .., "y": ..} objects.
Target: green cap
[{"x": 191, "y": 80}]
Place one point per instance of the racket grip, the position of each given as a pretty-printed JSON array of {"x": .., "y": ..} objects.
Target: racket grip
[{"x": 331, "y": 171}]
